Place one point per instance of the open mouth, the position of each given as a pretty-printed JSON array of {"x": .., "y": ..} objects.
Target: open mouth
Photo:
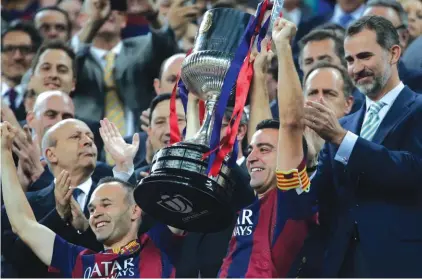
[
  {"x": 256, "y": 170},
  {"x": 52, "y": 85},
  {"x": 101, "y": 224}
]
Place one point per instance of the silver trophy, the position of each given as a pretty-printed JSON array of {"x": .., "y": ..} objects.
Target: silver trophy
[{"x": 178, "y": 191}]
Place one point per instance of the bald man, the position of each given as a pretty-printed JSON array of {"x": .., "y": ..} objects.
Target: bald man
[
  {"x": 66, "y": 146},
  {"x": 168, "y": 74}
]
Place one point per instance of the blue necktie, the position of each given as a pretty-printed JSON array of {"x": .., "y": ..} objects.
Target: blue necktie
[
  {"x": 76, "y": 193},
  {"x": 345, "y": 20}
]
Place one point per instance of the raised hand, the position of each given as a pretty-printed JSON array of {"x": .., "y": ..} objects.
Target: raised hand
[
  {"x": 30, "y": 167},
  {"x": 145, "y": 119},
  {"x": 283, "y": 31},
  {"x": 262, "y": 59},
  {"x": 179, "y": 15},
  {"x": 320, "y": 118},
  {"x": 63, "y": 193},
  {"x": 78, "y": 221},
  {"x": 8, "y": 134},
  {"x": 99, "y": 9},
  {"x": 121, "y": 152}
]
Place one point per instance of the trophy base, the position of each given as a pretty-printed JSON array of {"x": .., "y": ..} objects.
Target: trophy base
[{"x": 180, "y": 194}]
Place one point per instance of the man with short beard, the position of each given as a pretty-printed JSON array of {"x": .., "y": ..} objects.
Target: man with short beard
[{"x": 369, "y": 172}]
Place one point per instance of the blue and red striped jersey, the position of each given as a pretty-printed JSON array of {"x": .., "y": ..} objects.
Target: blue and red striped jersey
[
  {"x": 268, "y": 235},
  {"x": 158, "y": 251}
]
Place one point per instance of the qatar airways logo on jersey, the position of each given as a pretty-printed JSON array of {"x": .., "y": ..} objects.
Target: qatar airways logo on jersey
[
  {"x": 244, "y": 225},
  {"x": 111, "y": 270}
]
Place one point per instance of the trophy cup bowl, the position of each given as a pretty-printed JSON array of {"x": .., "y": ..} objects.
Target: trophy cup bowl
[{"x": 178, "y": 191}]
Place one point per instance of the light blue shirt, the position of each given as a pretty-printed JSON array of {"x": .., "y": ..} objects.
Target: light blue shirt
[
  {"x": 346, "y": 147},
  {"x": 338, "y": 14}
]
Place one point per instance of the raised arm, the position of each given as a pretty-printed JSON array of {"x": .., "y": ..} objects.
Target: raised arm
[
  {"x": 39, "y": 238},
  {"x": 290, "y": 99},
  {"x": 260, "y": 101}
]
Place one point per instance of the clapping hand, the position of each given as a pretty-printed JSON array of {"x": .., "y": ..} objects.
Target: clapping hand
[
  {"x": 79, "y": 221},
  {"x": 30, "y": 166},
  {"x": 63, "y": 193},
  {"x": 122, "y": 153},
  {"x": 8, "y": 134},
  {"x": 320, "y": 118}
]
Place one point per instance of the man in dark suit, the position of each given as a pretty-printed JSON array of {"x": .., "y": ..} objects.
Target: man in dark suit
[
  {"x": 50, "y": 108},
  {"x": 369, "y": 172},
  {"x": 412, "y": 60},
  {"x": 394, "y": 12},
  {"x": 19, "y": 43},
  {"x": 68, "y": 147},
  {"x": 117, "y": 75}
]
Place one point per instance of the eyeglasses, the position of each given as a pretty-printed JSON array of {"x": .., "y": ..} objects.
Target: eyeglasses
[{"x": 23, "y": 49}]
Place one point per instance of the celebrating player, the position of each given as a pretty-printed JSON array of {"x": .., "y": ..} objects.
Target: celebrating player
[
  {"x": 114, "y": 218},
  {"x": 270, "y": 232}
]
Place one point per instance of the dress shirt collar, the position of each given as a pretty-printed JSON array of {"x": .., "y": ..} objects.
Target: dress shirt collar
[{"x": 388, "y": 98}]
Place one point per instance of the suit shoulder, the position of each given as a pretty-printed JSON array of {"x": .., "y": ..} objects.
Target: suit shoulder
[
  {"x": 35, "y": 195},
  {"x": 134, "y": 41}
]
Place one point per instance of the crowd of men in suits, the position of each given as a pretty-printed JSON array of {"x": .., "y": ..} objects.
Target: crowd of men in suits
[{"x": 81, "y": 102}]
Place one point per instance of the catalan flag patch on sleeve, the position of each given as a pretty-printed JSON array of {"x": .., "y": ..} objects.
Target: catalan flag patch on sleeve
[{"x": 294, "y": 178}]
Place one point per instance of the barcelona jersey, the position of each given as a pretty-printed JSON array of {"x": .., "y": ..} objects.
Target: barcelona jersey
[
  {"x": 154, "y": 257},
  {"x": 268, "y": 235}
]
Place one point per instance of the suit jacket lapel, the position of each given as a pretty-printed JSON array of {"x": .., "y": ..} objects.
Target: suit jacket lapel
[
  {"x": 397, "y": 112},
  {"x": 354, "y": 124}
]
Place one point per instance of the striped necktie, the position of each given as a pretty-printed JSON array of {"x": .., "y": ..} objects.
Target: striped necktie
[
  {"x": 372, "y": 121},
  {"x": 114, "y": 109}
]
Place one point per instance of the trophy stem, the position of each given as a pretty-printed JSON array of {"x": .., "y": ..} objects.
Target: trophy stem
[{"x": 204, "y": 134}]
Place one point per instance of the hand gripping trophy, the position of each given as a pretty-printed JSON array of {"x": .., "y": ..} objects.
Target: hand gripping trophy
[{"x": 179, "y": 190}]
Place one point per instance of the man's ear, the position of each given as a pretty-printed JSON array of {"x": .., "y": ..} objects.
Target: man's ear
[
  {"x": 30, "y": 118},
  {"x": 157, "y": 86},
  {"x": 50, "y": 155},
  {"x": 136, "y": 213},
  {"x": 349, "y": 104},
  {"x": 241, "y": 133}
]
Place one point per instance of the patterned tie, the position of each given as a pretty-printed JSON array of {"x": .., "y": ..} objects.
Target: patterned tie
[
  {"x": 114, "y": 109},
  {"x": 345, "y": 20},
  {"x": 372, "y": 122}
]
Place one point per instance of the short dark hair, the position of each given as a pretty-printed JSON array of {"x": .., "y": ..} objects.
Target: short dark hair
[
  {"x": 57, "y": 9},
  {"x": 321, "y": 35},
  {"x": 387, "y": 35},
  {"x": 25, "y": 27},
  {"x": 347, "y": 82},
  {"x": 268, "y": 124},
  {"x": 126, "y": 185},
  {"x": 275, "y": 124},
  {"x": 393, "y": 4},
  {"x": 338, "y": 30},
  {"x": 59, "y": 45},
  {"x": 158, "y": 99}
]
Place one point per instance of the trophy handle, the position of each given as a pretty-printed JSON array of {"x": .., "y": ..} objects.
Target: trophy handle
[{"x": 203, "y": 136}]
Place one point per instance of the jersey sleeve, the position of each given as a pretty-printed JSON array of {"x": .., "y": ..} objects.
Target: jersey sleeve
[
  {"x": 64, "y": 257},
  {"x": 166, "y": 240}
]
